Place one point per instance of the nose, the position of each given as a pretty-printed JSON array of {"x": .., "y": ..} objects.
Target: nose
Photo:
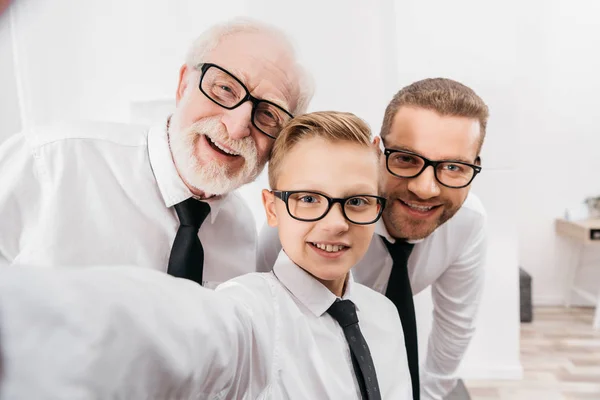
[
  {"x": 238, "y": 121},
  {"x": 335, "y": 221},
  {"x": 425, "y": 186}
]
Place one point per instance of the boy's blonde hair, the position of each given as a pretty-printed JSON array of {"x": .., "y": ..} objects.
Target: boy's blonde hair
[{"x": 333, "y": 126}]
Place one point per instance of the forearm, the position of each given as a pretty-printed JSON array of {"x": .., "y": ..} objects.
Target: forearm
[{"x": 446, "y": 348}]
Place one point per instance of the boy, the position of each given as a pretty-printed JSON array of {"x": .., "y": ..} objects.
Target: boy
[{"x": 291, "y": 333}]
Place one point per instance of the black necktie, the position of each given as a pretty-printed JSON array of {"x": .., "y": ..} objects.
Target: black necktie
[
  {"x": 400, "y": 293},
  {"x": 344, "y": 312},
  {"x": 187, "y": 254}
]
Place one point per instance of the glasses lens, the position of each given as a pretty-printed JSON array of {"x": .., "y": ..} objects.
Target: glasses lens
[
  {"x": 221, "y": 87},
  {"x": 362, "y": 209},
  {"x": 454, "y": 174},
  {"x": 269, "y": 118},
  {"x": 307, "y": 205},
  {"x": 405, "y": 164}
]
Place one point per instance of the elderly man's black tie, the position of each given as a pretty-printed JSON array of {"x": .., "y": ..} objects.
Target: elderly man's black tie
[
  {"x": 187, "y": 254},
  {"x": 344, "y": 312},
  {"x": 400, "y": 293}
]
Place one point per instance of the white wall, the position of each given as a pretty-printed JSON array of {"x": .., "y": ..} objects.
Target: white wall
[
  {"x": 10, "y": 118},
  {"x": 102, "y": 60},
  {"x": 559, "y": 142}
]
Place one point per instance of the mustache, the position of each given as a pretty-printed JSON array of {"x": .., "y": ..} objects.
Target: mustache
[{"x": 213, "y": 128}]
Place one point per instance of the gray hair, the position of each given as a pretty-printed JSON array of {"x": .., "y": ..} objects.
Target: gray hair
[{"x": 210, "y": 39}]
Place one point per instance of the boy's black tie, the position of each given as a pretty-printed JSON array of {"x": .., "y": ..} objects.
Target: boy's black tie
[
  {"x": 187, "y": 254},
  {"x": 344, "y": 312},
  {"x": 400, "y": 293}
]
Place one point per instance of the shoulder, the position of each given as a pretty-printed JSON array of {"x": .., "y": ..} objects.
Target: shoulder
[
  {"x": 87, "y": 131},
  {"x": 470, "y": 220},
  {"x": 473, "y": 207}
]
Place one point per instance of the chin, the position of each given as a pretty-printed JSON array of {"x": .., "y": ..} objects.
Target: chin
[{"x": 331, "y": 274}]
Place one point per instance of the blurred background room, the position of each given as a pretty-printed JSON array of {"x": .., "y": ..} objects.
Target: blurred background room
[{"x": 536, "y": 64}]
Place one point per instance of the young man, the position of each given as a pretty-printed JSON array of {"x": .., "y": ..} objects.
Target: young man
[
  {"x": 163, "y": 198},
  {"x": 432, "y": 135},
  {"x": 305, "y": 330}
]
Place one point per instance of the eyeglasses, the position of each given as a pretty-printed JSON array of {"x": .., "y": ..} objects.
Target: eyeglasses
[
  {"x": 229, "y": 92},
  {"x": 362, "y": 209},
  {"x": 452, "y": 174}
]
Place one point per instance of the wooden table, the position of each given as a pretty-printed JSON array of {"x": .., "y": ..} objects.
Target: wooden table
[{"x": 581, "y": 234}]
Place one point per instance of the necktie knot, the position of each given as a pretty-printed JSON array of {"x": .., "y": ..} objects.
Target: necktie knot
[
  {"x": 187, "y": 253},
  {"x": 399, "y": 250},
  {"x": 344, "y": 312},
  {"x": 192, "y": 212}
]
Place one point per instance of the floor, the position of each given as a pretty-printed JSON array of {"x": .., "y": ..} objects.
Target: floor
[{"x": 560, "y": 354}]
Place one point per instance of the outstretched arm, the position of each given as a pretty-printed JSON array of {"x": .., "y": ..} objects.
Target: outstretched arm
[{"x": 120, "y": 332}]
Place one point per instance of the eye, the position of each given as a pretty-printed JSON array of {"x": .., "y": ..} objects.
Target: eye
[
  {"x": 223, "y": 90},
  {"x": 402, "y": 158},
  {"x": 308, "y": 199},
  {"x": 268, "y": 116},
  {"x": 361, "y": 202},
  {"x": 357, "y": 202},
  {"x": 453, "y": 167}
]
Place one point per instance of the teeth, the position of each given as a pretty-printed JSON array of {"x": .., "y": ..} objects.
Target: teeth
[
  {"x": 418, "y": 208},
  {"x": 223, "y": 149},
  {"x": 330, "y": 248}
]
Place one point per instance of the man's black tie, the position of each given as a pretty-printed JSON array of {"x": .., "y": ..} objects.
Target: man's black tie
[
  {"x": 187, "y": 254},
  {"x": 344, "y": 312},
  {"x": 400, "y": 293}
]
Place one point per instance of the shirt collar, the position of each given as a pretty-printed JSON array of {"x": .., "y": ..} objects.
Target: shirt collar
[
  {"x": 171, "y": 186},
  {"x": 304, "y": 287},
  {"x": 381, "y": 230}
]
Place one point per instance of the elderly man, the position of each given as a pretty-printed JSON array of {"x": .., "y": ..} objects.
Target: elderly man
[
  {"x": 432, "y": 134},
  {"x": 86, "y": 194}
]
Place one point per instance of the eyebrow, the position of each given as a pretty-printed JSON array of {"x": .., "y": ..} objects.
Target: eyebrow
[{"x": 411, "y": 150}]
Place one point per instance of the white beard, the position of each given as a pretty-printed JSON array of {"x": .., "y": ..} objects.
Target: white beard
[{"x": 212, "y": 177}]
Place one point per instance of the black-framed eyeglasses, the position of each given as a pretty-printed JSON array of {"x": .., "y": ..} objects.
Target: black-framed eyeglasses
[
  {"x": 452, "y": 174},
  {"x": 226, "y": 90},
  {"x": 309, "y": 206}
]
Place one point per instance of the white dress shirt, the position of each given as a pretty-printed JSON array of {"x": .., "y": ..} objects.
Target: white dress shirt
[
  {"x": 451, "y": 260},
  {"x": 130, "y": 333},
  {"x": 102, "y": 194}
]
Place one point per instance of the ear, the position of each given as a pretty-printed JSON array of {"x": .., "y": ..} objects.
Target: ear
[
  {"x": 377, "y": 144},
  {"x": 183, "y": 83},
  {"x": 268, "y": 200}
]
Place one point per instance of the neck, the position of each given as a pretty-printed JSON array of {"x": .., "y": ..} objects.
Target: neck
[{"x": 336, "y": 286}]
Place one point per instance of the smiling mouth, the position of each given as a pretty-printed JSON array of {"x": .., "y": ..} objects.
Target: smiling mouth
[
  {"x": 330, "y": 248},
  {"x": 220, "y": 149},
  {"x": 418, "y": 207}
]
